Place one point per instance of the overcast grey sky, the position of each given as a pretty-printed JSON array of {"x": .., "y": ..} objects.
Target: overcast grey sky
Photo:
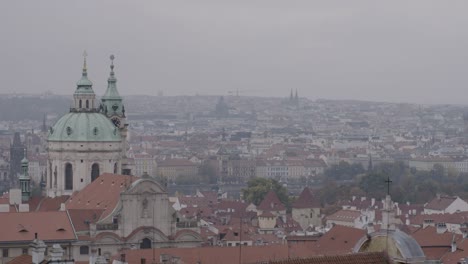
[{"x": 404, "y": 51}]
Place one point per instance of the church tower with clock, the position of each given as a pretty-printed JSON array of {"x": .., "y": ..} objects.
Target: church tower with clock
[
  {"x": 89, "y": 140},
  {"x": 112, "y": 106}
]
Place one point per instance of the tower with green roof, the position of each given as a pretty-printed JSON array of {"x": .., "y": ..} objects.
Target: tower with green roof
[{"x": 112, "y": 106}]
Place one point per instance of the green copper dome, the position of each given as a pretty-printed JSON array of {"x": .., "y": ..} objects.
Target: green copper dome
[{"x": 86, "y": 127}]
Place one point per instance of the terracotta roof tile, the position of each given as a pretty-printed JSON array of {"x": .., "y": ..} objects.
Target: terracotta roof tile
[
  {"x": 103, "y": 193},
  {"x": 339, "y": 240},
  {"x": 357, "y": 258},
  {"x": 306, "y": 200},
  {"x": 271, "y": 202},
  {"x": 22, "y": 259},
  {"x": 211, "y": 255},
  {"x": 48, "y": 226},
  {"x": 81, "y": 218},
  {"x": 440, "y": 203}
]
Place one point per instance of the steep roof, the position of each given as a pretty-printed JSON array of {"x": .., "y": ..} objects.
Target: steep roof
[
  {"x": 271, "y": 202},
  {"x": 103, "y": 193},
  {"x": 81, "y": 218},
  {"x": 440, "y": 203},
  {"x": 50, "y": 226},
  {"x": 339, "y": 240},
  {"x": 306, "y": 200}
]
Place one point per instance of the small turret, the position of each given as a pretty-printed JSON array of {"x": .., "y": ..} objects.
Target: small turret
[
  {"x": 25, "y": 180},
  {"x": 84, "y": 97}
]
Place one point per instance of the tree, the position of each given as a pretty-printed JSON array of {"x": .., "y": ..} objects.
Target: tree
[
  {"x": 344, "y": 171},
  {"x": 257, "y": 188},
  {"x": 374, "y": 184}
]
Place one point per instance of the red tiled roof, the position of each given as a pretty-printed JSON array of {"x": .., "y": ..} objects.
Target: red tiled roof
[
  {"x": 306, "y": 200},
  {"x": 81, "y": 218},
  {"x": 48, "y": 225},
  {"x": 271, "y": 202},
  {"x": 22, "y": 259},
  {"x": 103, "y": 193},
  {"x": 356, "y": 258},
  {"x": 47, "y": 203},
  {"x": 339, "y": 240},
  {"x": 440, "y": 203},
  {"x": 211, "y": 255},
  {"x": 455, "y": 218}
]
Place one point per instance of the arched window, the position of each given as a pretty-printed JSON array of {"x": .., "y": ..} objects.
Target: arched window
[
  {"x": 94, "y": 171},
  {"x": 87, "y": 104},
  {"x": 84, "y": 250},
  {"x": 115, "y": 168},
  {"x": 145, "y": 243},
  {"x": 80, "y": 105},
  {"x": 68, "y": 176}
]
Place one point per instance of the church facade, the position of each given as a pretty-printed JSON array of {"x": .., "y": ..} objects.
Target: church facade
[{"x": 89, "y": 140}]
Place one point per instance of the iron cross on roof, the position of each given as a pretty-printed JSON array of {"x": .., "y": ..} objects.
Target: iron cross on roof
[{"x": 388, "y": 182}]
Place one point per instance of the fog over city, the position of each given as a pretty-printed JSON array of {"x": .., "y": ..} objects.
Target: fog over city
[{"x": 396, "y": 51}]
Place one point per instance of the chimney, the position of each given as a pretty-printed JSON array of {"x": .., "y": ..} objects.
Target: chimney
[
  {"x": 354, "y": 197},
  {"x": 441, "y": 228},
  {"x": 62, "y": 207},
  {"x": 372, "y": 201},
  {"x": 363, "y": 199},
  {"x": 428, "y": 222},
  {"x": 454, "y": 246},
  {"x": 38, "y": 248},
  {"x": 56, "y": 253}
]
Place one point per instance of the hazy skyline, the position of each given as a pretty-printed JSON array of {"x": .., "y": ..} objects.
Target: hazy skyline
[{"x": 397, "y": 51}]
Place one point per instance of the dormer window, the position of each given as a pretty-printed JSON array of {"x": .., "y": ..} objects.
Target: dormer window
[{"x": 69, "y": 131}]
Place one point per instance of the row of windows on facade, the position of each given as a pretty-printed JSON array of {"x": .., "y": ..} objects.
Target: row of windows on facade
[
  {"x": 81, "y": 106},
  {"x": 95, "y": 172},
  {"x": 84, "y": 250}
]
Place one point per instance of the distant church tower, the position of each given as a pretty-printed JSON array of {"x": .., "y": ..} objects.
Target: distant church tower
[
  {"x": 16, "y": 155},
  {"x": 85, "y": 143}
]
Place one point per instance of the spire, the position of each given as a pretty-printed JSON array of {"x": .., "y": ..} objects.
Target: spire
[
  {"x": 44, "y": 126},
  {"x": 84, "y": 81},
  {"x": 85, "y": 69},
  {"x": 111, "y": 92},
  {"x": 291, "y": 95},
  {"x": 112, "y": 65}
]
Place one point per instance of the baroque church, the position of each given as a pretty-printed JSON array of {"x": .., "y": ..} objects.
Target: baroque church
[{"x": 89, "y": 140}]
